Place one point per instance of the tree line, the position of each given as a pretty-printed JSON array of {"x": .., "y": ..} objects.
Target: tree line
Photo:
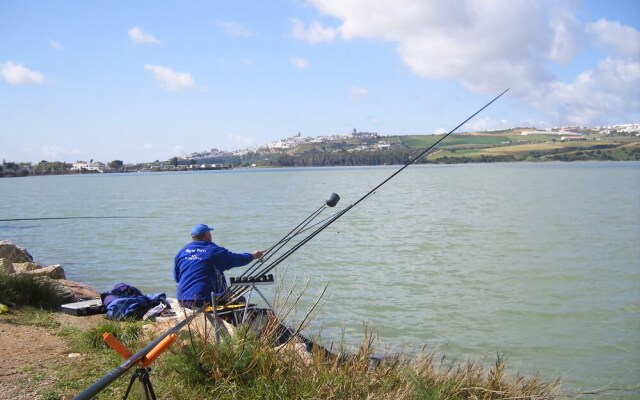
[{"x": 44, "y": 167}]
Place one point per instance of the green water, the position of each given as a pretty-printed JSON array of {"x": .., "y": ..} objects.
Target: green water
[{"x": 537, "y": 262}]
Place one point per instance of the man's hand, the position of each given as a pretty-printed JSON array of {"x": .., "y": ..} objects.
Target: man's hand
[{"x": 257, "y": 254}]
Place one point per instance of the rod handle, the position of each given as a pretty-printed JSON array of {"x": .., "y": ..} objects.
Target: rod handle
[
  {"x": 116, "y": 345},
  {"x": 159, "y": 349}
]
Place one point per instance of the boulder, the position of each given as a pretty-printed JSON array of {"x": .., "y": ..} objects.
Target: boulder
[
  {"x": 67, "y": 293},
  {"x": 22, "y": 267},
  {"x": 52, "y": 271},
  {"x": 13, "y": 253},
  {"x": 68, "y": 296},
  {"x": 295, "y": 350},
  {"x": 6, "y": 266},
  {"x": 80, "y": 291}
]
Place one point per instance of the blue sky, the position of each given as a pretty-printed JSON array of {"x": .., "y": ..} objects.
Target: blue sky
[{"x": 146, "y": 80}]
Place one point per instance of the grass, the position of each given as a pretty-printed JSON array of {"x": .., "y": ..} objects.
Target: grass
[
  {"x": 248, "y": 365},
  {"x": 98, "y": 358},
  {"x": 25, "y": 289},
  {"x": 546, "y": 146}
]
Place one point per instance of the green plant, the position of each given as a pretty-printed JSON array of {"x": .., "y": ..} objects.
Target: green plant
[
  {"x": 127, "y": 332},
  {"x": 38, "y": 317},
  {"x": 26, "y": 289}
]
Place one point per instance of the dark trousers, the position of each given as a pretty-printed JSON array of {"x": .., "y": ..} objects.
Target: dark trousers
[{"x": 194, "y": 304}]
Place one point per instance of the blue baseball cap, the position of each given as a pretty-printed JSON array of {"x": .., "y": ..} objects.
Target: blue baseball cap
[{"x": 200, "y": 229}]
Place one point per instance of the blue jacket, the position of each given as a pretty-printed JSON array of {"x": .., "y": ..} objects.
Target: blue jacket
[{"x": 199, "y": 269}]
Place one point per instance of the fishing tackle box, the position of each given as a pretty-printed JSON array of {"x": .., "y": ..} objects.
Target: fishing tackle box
[{"x": 82, "y": 308}]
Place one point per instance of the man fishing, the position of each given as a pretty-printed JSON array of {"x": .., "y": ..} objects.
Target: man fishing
[{"x": 199, "y": 268}]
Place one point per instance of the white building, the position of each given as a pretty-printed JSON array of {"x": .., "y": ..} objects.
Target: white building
[{"x": 91, "y": 166}]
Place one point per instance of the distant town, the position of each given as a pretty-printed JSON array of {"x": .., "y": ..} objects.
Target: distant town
[{"x": 619, "y": 142}]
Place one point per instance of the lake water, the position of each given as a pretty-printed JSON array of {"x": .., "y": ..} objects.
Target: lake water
[{"x": 537, "y": 262}]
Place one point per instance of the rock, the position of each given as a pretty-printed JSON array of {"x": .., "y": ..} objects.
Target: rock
[
  {"x": 68, "y": 296},
  {"x": 52, "y": 271},
  {"x": 296, "y": 349},
  {"x": 22, "y": 267},
  {"x": 13, "y": 253},
  {"x": 15, "y": 259},
  {"x": 6, "y": 266},
  {"x": 73, "y": 291},
  {"x": 79, "y": 290}
]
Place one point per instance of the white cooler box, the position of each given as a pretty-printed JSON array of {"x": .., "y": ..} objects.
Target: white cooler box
[{"x": 81, "y": 308}]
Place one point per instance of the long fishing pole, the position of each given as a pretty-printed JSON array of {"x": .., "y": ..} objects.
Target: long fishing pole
[
  {"x": 237, "y": 291},
  {"x": 302, "y": 227},
  {"x": 59, "y": 218},
  {"x": 268, "y": 268},
  {"x": 282, "y": 242},
  {"x": 416, "y": 158},
  {"x": 117, "y": 372}
]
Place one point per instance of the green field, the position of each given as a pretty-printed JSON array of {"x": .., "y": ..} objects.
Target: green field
[
  {"x": 421, "y": 142},
  {"x": 606, "y": 150}
]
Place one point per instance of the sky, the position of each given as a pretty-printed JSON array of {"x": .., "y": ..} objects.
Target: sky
[{"x": 140, "y": 81}]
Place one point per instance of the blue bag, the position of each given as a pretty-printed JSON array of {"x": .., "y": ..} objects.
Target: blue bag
[
  {"x": 119, "y": 290},
  {"x": 133, "y": 307},
  {"x": 125, "y": 301}
]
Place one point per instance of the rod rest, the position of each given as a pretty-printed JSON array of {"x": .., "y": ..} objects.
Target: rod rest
[{"x": 252, "y": 280}]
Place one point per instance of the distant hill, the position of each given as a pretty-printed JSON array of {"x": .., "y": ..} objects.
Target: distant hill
[
  {"x": 360, "y": 149},
  {"x": 521, "y": 144}
]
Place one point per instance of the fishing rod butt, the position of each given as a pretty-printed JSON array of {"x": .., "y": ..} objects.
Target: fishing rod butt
[{"x": 333, "y": 199}]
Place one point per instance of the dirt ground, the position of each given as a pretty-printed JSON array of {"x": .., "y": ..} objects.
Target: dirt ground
[{"x": 29, "y": 353}]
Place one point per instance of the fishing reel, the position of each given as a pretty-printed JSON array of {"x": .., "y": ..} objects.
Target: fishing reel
[{"x": 332, "y": 200}]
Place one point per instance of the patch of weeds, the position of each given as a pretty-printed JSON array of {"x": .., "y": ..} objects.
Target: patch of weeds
[
  {"x": 29, "y": 290},
  {"x": 38, "y": 317},
  {"x": 186, "y": 363},
  {"x": 68, "y": 332},
  {"x": 96, "y": 359},
  {"x": 50, "y": 395},
  {"x": 127, "y": 332}
]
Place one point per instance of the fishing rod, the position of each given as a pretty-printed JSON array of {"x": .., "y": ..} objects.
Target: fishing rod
[
  {"x": 61, "y": 218},
  {"x": 117, "y": 372},
  {"x": 235, "y": 293},
  {"x": 302, "y": 227}
]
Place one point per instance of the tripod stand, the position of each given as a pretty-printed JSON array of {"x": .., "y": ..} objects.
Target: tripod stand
[{"x": 142, "y": 374}]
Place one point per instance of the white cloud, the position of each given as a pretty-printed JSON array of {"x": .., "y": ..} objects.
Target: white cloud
[
  {"x": 356, "y": 93},
  {"x": 315, "y": 33},
  {"x": 488, "y": 46},
  {"x": 610, "y": 90},
  {"x": 299, "y": 63},
  {"x": 239, "y": 141},
  {"x": 17, "y": 74},
  {"x": 234, "y": 28},
  {"x": 137, "y": 36},
  {"x": 170, "y": 79},
  {"x": 566, "y": 41},
  {"x": 55, "y": 44},
  {"x": 464, "y": 40},
  {"x": 56, "y": 152},
  {"x": 479, "y": 124},
  {"x": 625, "y": 40}
]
